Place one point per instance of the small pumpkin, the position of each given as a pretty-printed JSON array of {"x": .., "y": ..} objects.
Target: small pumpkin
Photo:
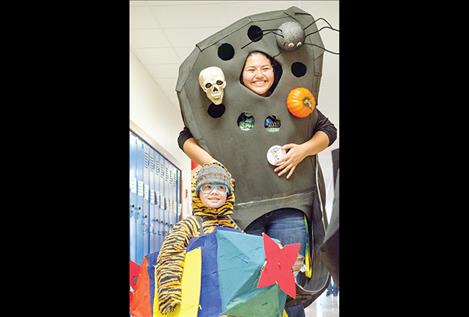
[{"x": 300, "y": 102}]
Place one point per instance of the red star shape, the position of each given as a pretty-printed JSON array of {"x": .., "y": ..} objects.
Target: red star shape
[{"x": 278, "y": 265}]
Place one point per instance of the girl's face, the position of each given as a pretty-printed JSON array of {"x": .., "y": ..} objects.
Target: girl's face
[{"x": 258, "y": 74}]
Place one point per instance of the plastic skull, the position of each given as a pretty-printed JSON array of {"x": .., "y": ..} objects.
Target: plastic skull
[{"x": 212, "y": 81}]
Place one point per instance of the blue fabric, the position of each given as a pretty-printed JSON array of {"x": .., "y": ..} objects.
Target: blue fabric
[
  {"x": 286, "y": 225},
  {"x": 210, "y": 301},
  {"x": 295, "y": 311},
  {"x": 237, "y": 250},
  {"x": 240, "y": 260},
  {"x": 152, "y": 257}
]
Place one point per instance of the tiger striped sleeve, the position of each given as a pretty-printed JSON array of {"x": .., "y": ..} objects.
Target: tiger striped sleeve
[{"x": 170, "y": 263}]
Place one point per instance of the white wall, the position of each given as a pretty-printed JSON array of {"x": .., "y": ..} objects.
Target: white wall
[{"x": 151, "y": 111}]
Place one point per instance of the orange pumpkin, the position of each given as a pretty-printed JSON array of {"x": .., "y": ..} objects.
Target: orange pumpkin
[{"x": 301, "y": 102}]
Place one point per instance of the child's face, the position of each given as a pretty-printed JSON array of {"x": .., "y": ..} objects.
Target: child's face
[{"x": 213, "y": 196}]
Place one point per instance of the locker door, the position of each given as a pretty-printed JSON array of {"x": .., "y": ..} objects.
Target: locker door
[
  {"x": 146, "y": 200},
  {"x": 173, "y": 196},
  {"x": 132, "y": 196},
  {"x": 159, "y": 184},
  {"x": 165, "y": 199},
  {"x": 139, "y": 211},
  {"x": 178, "y": 195},
  {"x": 152, "y": 202},
  {"x": 170, "y": 197}
]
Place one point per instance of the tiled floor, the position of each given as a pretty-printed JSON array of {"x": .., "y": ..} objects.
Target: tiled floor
[{"x": 324, "y": 306}]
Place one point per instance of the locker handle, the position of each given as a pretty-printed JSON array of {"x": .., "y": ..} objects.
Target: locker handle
[{"x": 137, "y": 213}]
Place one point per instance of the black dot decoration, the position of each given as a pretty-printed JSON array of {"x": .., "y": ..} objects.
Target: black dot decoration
[
  {"x": 226, "y": 51},
  {"x": 246, "y": 121},
  {"x": 298, "y": 69},
  {"x": 216, "y": 111},
  {"x": 255, "y": 33}
]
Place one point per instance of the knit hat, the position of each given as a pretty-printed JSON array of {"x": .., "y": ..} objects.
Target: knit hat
[{"x": 213, "y": 173}]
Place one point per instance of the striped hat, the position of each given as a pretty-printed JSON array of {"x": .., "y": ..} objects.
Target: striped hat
[{"x": 213, "y": 173}]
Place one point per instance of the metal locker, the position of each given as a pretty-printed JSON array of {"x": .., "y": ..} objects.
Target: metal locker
[
  {"x": 170, "y": 198},
  {"x": 152, "y": 219},
  {"x": 132, "y": 196},
  {"x": 178, "y": 195},
  {"x": 159, "y": 205},
  {"x": 167, "y": 195},
  {"x": 146, "y": 199},
  {"x": 172, "y": 174},
  {"x": 139, "y": 211},
  {"x": 163, "y": 199},
  {"x": 153, "y": 198}
]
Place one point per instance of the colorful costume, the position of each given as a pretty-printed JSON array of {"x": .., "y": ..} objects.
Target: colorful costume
[{"x": 170, "y": 263}]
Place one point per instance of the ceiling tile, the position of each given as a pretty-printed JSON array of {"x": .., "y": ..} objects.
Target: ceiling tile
[
  {"x": 181, "y": 36},
  {"x": 328, "y": 10},
  {"x": 238, "y": 10},
  {"x": 145, "y": 38},
  {"x": 141, "y": 18},
  {"x": 184, "y": 52},
  {"x": 162, "y": 55},
  {"x": 194, "y": 15},
  {"x": 164, "y": 70}
]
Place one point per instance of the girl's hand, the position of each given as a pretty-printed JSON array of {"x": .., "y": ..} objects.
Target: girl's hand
[{"x": 295, "y": 155}]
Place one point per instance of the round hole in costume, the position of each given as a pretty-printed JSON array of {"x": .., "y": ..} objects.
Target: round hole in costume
[
  {"x": 298, "y": 69},
  {"x": 255, "y": 33},
  {"x": 246, "y": 121},
  {"x": 226, "y": 51},
  {"x": 272, "y": 124},
  {"x": 216, "y": 111}
]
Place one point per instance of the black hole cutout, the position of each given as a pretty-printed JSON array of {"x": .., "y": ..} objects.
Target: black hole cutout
[
  {"x": 298, "y": 69},
  {"x": 216, "y": 111},
  {"x": 246, "y": 121},
  {"x": 272, "y": 124},
  {"x": 255, "y": 33},
  {"x": 226, "y": 51}
]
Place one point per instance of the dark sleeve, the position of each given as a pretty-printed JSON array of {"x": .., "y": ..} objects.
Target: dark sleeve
[
  {"x": 183, "y": 136},
  {"x": 326, "y": 126}
]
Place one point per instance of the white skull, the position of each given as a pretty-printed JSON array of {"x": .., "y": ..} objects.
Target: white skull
[{"x": 212, "y": 81}]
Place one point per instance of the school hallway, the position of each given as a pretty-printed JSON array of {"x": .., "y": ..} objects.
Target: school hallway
[
  {"x": 324, "y": 306},
  {"x": 162, "y": 37}
]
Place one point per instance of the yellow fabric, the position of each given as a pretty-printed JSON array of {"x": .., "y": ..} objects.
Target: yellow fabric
[
  {"x": 308, "y": 263},
  {"x": 284, "y": 314},
  {"x": 190, "y": 284},
  {"x": 170, "y": 263}
]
